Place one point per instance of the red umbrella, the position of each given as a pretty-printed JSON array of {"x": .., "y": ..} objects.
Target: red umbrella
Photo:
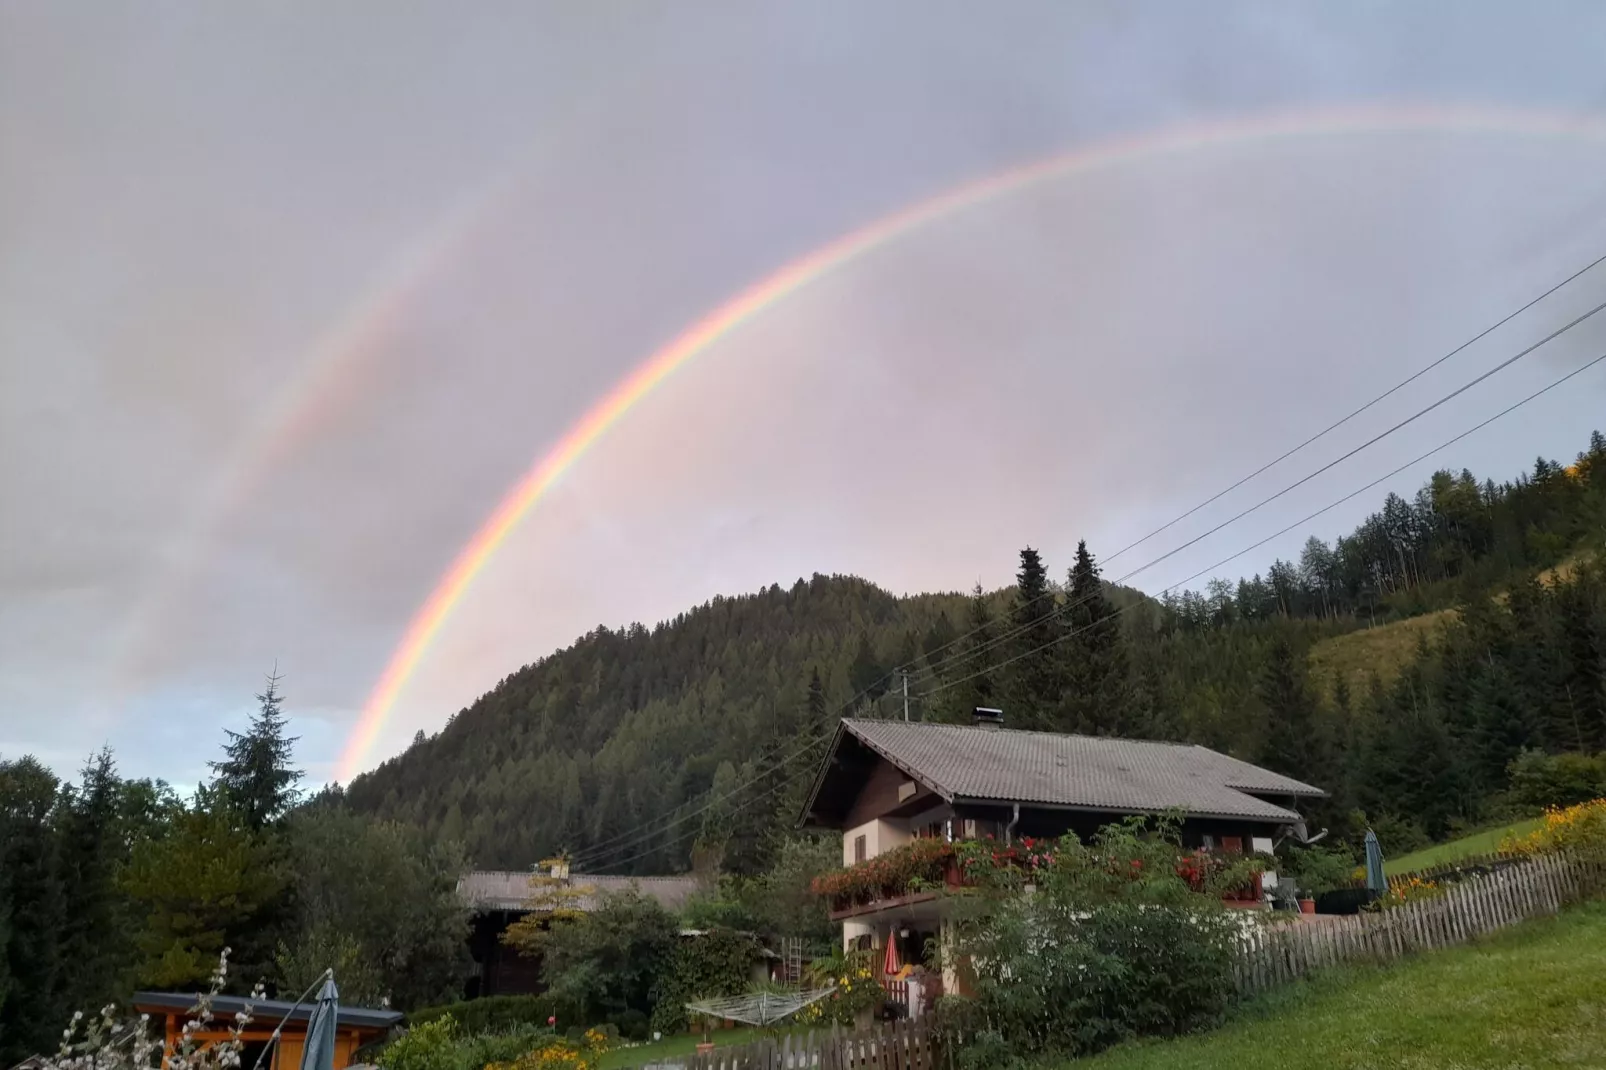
[{"x": 890, "y": 966}]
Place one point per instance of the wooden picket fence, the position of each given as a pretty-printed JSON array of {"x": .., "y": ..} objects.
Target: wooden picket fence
[
  {"x": 903, "y": 1045},
  {"x": 1475, "y": 905}
]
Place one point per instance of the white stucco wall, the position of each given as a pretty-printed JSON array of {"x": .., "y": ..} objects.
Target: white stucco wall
[{"x": 879, "y": 836}]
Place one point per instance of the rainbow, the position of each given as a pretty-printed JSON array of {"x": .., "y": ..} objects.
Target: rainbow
[
  {"x": 427, "y": 622},
  {"x": 329, "y": 373}
]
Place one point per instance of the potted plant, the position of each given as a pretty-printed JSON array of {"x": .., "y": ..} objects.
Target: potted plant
[{"x": 706, "y": 1045}]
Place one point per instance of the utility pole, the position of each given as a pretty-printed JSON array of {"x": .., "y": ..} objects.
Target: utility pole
[{"x": 904, "y": 674}]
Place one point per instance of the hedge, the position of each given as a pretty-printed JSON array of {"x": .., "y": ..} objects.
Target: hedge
[{"x": 500, "y": 1014}]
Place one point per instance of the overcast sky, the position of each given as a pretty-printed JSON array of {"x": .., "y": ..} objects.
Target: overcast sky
[{"x": 290, "y": 294}]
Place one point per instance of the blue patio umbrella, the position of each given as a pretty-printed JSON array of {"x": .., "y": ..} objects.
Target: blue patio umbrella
[
  {"x": 318, "y": 1052},
  {"x": 1376, "y": 881}
]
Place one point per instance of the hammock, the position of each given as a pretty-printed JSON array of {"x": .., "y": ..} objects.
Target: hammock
[{"x": 758, "y": 1008}]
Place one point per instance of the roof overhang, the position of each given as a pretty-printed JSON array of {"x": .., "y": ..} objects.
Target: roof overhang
[
  {"x": 831, "y": 762},
  {"x": 1285, "y": 817}
]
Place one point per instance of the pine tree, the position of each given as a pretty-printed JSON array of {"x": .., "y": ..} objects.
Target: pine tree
[
  {"x": 1291, "y": 746},
  {"x": 1503, "y": 725},
  {"x": 1032, "y": 685},
  {"x": 936, "y": 645},
  {"x": 1584, "y": 656},
  {"x": 814, "y": 705},
  {"x": 29, "y": 1014},
  {"x": 256, "y": 776},
  {"x": 865, "y": 675},
  {"x": 1098, "y": 694},
  {"x": 94, "y": 941},
  {"x": 974, "y": 667}
]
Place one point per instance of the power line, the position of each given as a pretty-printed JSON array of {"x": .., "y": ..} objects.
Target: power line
[
  {"x": 1407, "y": 381},
  {"x": 1312, "y": 439},
  {"x": 1019, "y": 629},
  {"x": 690, "y": 833},
  {"x": 641, "y": 834},
  {"x": 1255, "y": 546},
  {"x": 1457, "y": 392}
]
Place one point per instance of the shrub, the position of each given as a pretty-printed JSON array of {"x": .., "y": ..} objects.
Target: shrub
[
  {"x": 853, "y": 980},
  {"x": 1580, "y": 830},
  {"x": 1317, "y": 869},
  {"x": 1409, "y": 890},
  {"x": 559, "y": 1053},
  {"x": 1399, "y": 836},
  {"x": 631, "y": 1024},
  {"x": 502, "y": 1014},
  {"x": 713, "y": 964},
  {"x": 1122, "y": 937},
  {"x": 1545, "y": 780},
  {"x": 432, "y": 1045}
]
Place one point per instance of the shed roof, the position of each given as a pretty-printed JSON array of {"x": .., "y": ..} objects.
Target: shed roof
[
  {"x": 264, "y": 1010},
  {"x": 509, "y": 889},
  {"x": 983, "y": 764}
]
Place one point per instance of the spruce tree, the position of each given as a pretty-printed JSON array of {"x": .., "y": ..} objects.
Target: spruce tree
[
  {"x": 30, "y": 1016},
  {"x": 865, "y": 675},
  {"x": 935, "y": 646},
  {"x": 256, "y": 776},
  {"x": 1503, "y": 725},
  {"x": 1290, "y": 746},
  {"x": 814, "y": 704},
  {"x": 1098, "y": 692},
  {"x": 94, "y": 941},
  {"x": 1032, "y": 685},
  {"x": 1578, "y": 604},
  {"x": 974, "y": 667}
]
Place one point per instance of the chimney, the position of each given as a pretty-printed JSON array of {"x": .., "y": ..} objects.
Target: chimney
[{"x": 988, "y": 717}]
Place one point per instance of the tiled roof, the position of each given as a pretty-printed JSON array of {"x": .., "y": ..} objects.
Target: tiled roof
[
  {"x": 1097, "y": 773},
  {"x": 504, "y": 889}
]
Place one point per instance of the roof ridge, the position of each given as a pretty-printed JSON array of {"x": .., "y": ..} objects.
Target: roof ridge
[{"x": 1032, "y": 732}]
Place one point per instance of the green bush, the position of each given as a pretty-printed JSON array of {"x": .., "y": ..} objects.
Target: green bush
[
  {"x": 1317, "y": 869},
  {"x": 714, "y": 964},
  {"x": 631, "y": 1024},
  {"x": 1539, "y": 780},
  {"x": 1117, "y": 939},
  {"x": 502, "y": 1014},
  {"x": 431, "y": 1045}
]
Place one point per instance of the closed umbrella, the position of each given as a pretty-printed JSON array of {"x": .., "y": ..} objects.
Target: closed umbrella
[
  {"x": 318, "y": 1053},
  {"x": 890, "y": 966},
  {"x": 1376, "y": 880}
]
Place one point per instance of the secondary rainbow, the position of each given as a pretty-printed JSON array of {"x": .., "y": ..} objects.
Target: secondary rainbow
[{"x": 793, "y": 277}]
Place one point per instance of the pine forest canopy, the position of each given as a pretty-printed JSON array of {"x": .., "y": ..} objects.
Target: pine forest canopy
[{"x": 637, "y": 749}]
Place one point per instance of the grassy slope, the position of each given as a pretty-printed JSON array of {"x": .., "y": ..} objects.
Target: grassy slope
[
  {"x": 1483, "y": 842},
  {"x": 1531, "y": 997},
  {"x": 1386, "y": 648}
]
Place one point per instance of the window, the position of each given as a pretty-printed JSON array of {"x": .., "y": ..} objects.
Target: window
[
  {"x": 1208, "y": 842},
  {"x": 1233, "y": 845},
  {"x": 858, "y": 848}
]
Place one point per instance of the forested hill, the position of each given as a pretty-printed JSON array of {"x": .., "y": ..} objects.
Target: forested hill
[
  {"x": 626, "y": 725},
  {"x": 637, "y": 749}
]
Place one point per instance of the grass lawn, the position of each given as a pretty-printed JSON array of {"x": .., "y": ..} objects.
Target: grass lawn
[
  {"x": 675, "y": 1046},
  {"x": 1478, "y": 843},
  {"x": 1530, "y": 998}
]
